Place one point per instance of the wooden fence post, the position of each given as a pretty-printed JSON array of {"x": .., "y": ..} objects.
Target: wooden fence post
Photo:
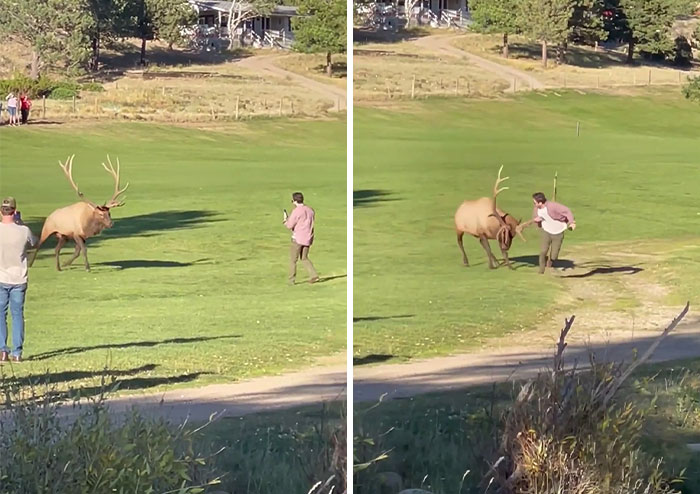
[
  {"x": 280, "y": 108},
  {"x": 578, "y": 129},
  {"x": 95, "y": 105},
  {"x": 291, "y": 103},
  {"x": 43, "y": 106},
  {"x": 413, "y": 87},
  {"x": 238, "y": 99},
  {"x": 74, "y": 104},
  {"x": 649, "y": 77}
]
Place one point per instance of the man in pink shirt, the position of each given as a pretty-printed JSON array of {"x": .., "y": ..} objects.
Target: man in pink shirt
[
  {"x": 301, "y": 222},
  {"x": 553, "y": 219}
]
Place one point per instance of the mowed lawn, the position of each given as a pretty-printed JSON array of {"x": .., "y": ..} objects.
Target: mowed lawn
[
  {"x": 190, "y": 286},
  {"x": 631, "y": 177}
]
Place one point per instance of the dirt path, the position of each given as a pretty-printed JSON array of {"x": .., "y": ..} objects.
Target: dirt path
[
  {"x": 266, "y": 63},
  {"x": 462, "y": 371},
  {"x": 517, "y": 79},
  {"x": 324, "y": 382}
]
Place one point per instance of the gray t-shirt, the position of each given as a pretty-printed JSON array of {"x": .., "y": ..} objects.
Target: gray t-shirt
[{"x": 14, "y": 240}]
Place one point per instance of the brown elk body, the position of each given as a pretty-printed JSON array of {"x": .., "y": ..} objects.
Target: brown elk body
[
  {"x": 482, "y": 219},
  {"x": 80, "y": 220}
]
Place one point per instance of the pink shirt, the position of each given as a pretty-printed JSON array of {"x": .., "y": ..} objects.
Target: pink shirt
[
  {"x": 557, "y": 211},
  {"x": 301, "y": 222}
]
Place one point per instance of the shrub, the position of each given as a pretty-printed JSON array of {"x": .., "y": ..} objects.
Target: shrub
[
  {"x": 46, "y": 451},
  {"x": 692, "y": 90},
  {"x": 46, "y": 87}
]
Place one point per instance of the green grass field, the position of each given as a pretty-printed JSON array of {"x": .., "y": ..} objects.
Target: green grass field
[
  {"x": 631, "y": 179},
  {"x": 190, "y": 286}
]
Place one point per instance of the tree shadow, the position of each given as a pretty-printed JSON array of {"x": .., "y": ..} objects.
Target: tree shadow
[
  {"x": 135, "y": 383},
  {"x": 72, "y": 375},
  {"x": 397, "y": 35},
  {"x": 373, "y": 358},
  {"x": 144, "y": 225},
  {"x": 368, "y": 197},
  {"x": 143, "y": 263},
  {"x": 127, "y": 57},
  {"x": 381, "y": 318},
  {"x": 135, "y": 344}
]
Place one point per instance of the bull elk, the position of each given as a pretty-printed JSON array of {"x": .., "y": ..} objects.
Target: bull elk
[
  {"x": 483, "y": 220},
  {"x": 81, "y": 220}
]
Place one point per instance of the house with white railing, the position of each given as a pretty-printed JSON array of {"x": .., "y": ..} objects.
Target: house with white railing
[
  {"x": 273, "y": 30},
  {"x": 435, "y": 13}
]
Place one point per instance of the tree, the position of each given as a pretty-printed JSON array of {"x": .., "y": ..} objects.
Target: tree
[
  {"x": 160, "y": 19},
  {"x": 547, "y": 21},
  {"x": 586, "y": 23},
  {"x": 495, "y": 16},
  {"x": 649, "y": 24},
  {"x": 57, "y": 31},
  {"x": 243, "y": 10},
  {"x": 321, "y": 28},
  {"x": 110, "y": 19}
]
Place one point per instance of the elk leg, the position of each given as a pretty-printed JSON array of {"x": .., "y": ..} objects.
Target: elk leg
[
  {"x": 460, "y": 237},
  {"x": 61, "y": 242},
  {"x": 505, "y": 257},
  {"x": 493, "y": 262},
  {"x": 80, "y": 242},
  {"x": 75, "y": 255}
]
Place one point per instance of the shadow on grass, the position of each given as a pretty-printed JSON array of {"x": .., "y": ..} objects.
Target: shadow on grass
[
  {"x": 373, "y": 358},
  {"x": 50, "y": 378},
  {"x": 368, "y": 197},
  {"x": 134, "y": 344},
  {"x": 143, "y": 225},
  {"x": 134, "y": 383},
  {"x": 127, "y": 57},
  {"x": 331, "y": 278},
  {"x": 381, "y": 318},
  {"x": 143, "y": 263},
  {"x": 607, "y": 270},
  {"x": 535, "y": 262},
  {"x": 367, "y": 35}
]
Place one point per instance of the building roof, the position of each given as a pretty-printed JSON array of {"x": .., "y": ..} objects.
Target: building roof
[{"x": 225, "y": 6}]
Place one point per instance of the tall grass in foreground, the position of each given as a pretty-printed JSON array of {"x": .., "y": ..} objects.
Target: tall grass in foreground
[
  {"x": 564, "y": 432},
  {"x": 93, "y": 451}
]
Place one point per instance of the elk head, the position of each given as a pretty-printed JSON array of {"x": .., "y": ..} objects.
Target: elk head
[
  {"x": 510, "y": 227},
  {"x": 101, "y": 216}
]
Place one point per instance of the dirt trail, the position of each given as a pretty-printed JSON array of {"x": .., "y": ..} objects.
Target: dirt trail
[
  {"x": 325, "y": 382},
  {"x": 266, "y": 63},
  {"x": 441, "y": 44},
  {"x": 462, "y": 371}
]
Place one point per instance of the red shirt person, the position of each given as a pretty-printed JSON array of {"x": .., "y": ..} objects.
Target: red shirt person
[{"x": 25, "y": 106}]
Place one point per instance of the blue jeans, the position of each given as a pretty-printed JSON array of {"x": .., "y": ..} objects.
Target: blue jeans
[{"x": 12, "y": 296}]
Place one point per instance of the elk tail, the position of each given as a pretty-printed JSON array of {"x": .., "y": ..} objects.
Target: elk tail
[{"x": 46, "y": 232}]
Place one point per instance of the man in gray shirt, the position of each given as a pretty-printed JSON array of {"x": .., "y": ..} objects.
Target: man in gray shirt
[{"x": 15, "y": 237}]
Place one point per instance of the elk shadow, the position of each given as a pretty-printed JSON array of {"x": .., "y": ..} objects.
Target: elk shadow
[
  {"x": 143, "y": 225},
  {"x": 143, "y": 263},
  {"x": 373, "y": 358},
  {"x": 134, "y": 344},
  {"x": 369, "y": 197}
]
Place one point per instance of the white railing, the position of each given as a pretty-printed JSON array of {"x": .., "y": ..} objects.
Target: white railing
[{"x": 279, "y": 38}]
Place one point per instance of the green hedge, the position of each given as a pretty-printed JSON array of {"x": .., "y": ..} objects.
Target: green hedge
[
  {"x": 45, "y": 86},
  {"x": 692, "y": 90}
]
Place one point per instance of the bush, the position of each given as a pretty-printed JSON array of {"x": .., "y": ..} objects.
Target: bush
[
  {"x": 46, "y": 87},
  {"x": 44, "y": 451},
  {"x": 93, "y": 87},
  {"x": 692, "y": 90}
]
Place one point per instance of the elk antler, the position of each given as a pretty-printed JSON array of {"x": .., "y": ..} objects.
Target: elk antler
[
  {"x": 499, "y": 180},
  {"x": 113, "y": 202},
  {"x": 68, "y": 171},
  {"x": 503, "y": 230}
]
